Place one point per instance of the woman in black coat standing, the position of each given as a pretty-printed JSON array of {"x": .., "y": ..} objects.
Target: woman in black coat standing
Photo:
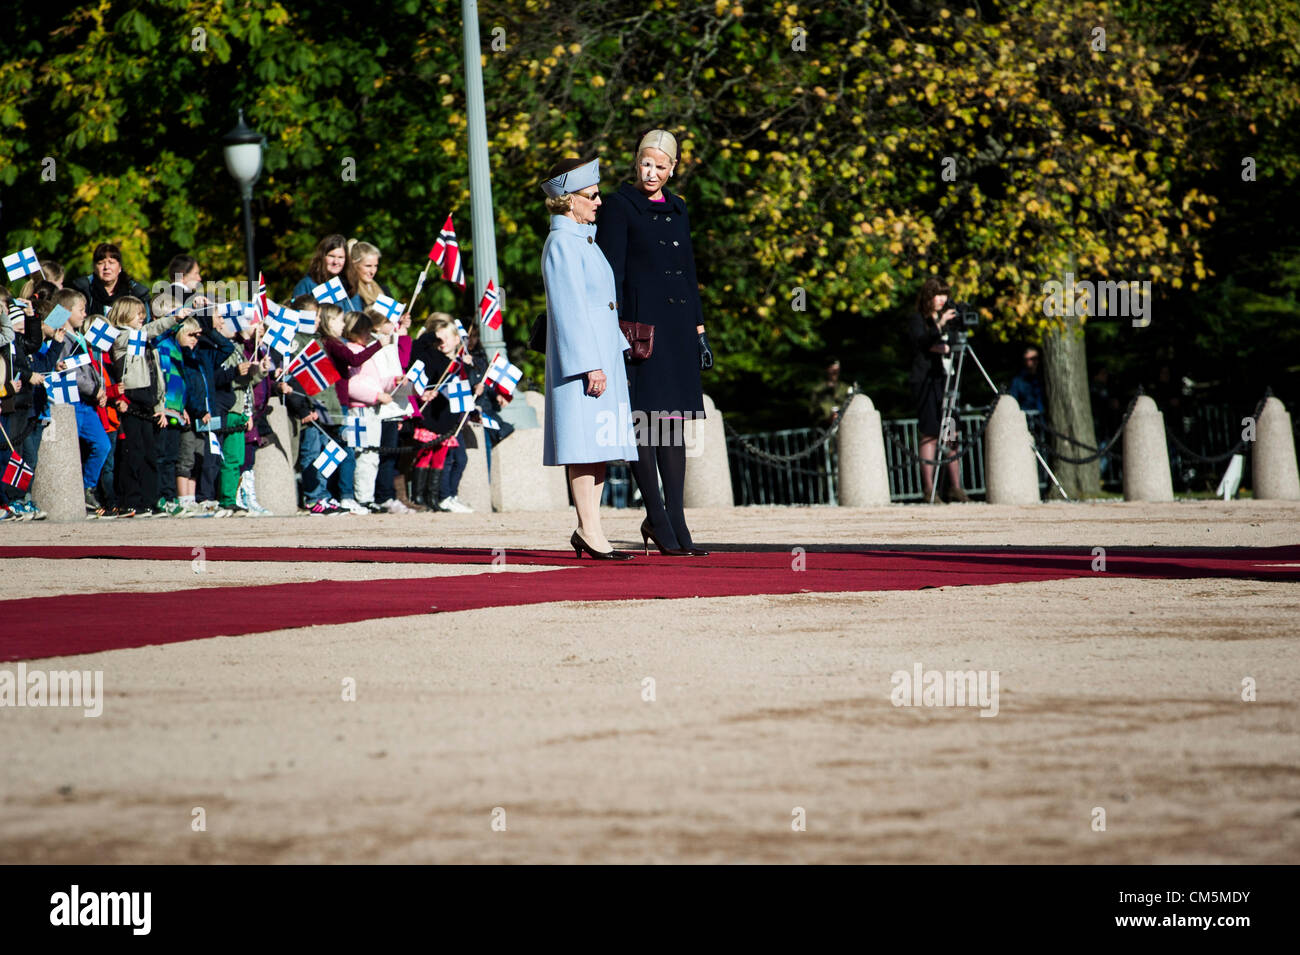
[
  {"x": 931, "y": 362},
  {"x": 645, "y": 233}
]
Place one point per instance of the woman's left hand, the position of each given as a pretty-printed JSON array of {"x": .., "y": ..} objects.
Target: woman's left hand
[
  {"x": 706, "y": 353},
  {"x": 596, "y": 383}
]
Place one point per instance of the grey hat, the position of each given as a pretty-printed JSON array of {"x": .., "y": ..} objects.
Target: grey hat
[{"x": 585, "y": 175}]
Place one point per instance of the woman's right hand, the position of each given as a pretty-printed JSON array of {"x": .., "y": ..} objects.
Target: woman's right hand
[
  {"x": 596, "y": 383},
  {"x": 947, "y": 316}
]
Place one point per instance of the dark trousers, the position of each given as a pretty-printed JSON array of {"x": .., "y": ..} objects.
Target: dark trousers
[
  {"x": 169, "y": 451},
  {"x": 206, "y": 489},
  {"x": 386, "y": 477},
  {"x": 452, "y": 468},
  {"x": 139, "y": 462}
]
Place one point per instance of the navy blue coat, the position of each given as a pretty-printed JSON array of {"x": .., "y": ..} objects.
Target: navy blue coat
[{"x": 648, "y": 245}]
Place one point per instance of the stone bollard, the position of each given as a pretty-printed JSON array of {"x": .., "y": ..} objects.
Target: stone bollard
[
  {"x": 708, "y": 472},
  {"x": 519, "y": 480},
  {"x": 1010, "y": 468},
  {"x": 864, "y": 473},
  {"x": 277, "y": 489},
  {"x": 57, "y": 488},
  {"x": 474, "y": 489},
  {"x": 1146, "y": 455},
  {"x": 1272, "y": 458}
]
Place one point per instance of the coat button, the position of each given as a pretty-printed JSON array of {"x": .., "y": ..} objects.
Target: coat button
[
  {"x": 662, "y": 242},
  {"x": 668, "y": 218},
  {"x": 679, "y": 271},
  {"x": 611, "y": 305},
  {"x": 655, "y": 217},
  {"x": 670, "y": 301},
  {"x": 590, "y": 239},
  {"x": 676, "y": 243}
]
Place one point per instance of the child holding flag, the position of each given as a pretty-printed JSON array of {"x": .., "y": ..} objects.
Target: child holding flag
[
  {"x": 138, "y": 369},
  {"x": 70, "y": 307}
]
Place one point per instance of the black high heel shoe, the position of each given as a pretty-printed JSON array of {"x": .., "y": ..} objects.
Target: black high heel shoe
[
  {"x": 579, "y": 546},
  {"x": 648, "y": 534}
]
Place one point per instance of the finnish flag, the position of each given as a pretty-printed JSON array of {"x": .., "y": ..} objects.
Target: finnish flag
[
  {"x": 331, "y": 291},
  {"x": 361, "y": 431},
  {"x": 101, "y": 334},
  {"x": 23, "y": 262},
  {"x": 459, "y": 395},
  {"x": 328, "y": 460}
]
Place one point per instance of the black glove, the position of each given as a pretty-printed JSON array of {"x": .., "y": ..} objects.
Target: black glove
[{"x": 706, "y": 353}]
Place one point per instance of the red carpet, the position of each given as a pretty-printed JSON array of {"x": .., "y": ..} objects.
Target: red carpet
[{"x": 90, "y": 622}]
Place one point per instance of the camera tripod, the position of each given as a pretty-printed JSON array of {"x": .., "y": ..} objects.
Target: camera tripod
[{"x": 951, "y": 391}]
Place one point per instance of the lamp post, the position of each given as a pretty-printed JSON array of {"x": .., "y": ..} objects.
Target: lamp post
[{"x": 243, "y": 149}]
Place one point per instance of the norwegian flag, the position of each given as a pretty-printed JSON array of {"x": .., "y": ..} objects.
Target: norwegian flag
[
  {"x": 459, "y": 395},
  {"x": 446, "y": 254},
  {"x": 456, "y": 369},
  {"x": 101, "y": 334},
  {"x": 261, "y": 295},
  {"x": 489, "y": 310},
  {"x": 313, "y": 369},
  {"x": 504, "y": 375},
  {"x": 18, "y": 473}
]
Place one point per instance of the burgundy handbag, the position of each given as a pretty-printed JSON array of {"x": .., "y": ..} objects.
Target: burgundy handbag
[{"x": 640, "y": 337}]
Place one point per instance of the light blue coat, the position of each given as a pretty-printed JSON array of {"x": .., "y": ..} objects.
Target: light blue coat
[{"x": 582, "y": 335}]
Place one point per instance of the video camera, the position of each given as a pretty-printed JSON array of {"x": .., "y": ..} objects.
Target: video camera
[{"x": 967, "y": 317}]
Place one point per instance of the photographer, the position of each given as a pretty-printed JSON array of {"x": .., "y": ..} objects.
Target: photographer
[{"x": 931, "y": 359}]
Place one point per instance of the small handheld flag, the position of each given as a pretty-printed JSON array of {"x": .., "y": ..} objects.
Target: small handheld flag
[
  {"x": 391, "y": 307},
  {"x": 18, "y": 473},
  {"x": 307, "y": 323},
  {"x": 503, "y": 374},
  {"x": 76, "y": 361},
  {"x": 313, "y": 369},
  {"x": 214, "y": 445},
  {"x": 62, "y": 389},
  {"x": 459, "y": 395},
  {"x": 233, "y": 309},
  {"x": 137, "y": 342},
  {"x": 328, "y": 460},
  {"x": 417, "y": 377},
  {"x": 101, "y": 335},
  {"x": 446, "y": 254},
  {"x": 361, "y": 431},
  {"x": 489, "y": 422},
  {"x": 460, "y": 329},
  {"x": 283, "y": 316},
  {"x": 261, "y": 294},
  {"x": 331, "y": 291},
  {"x": 23, "y": 262},
  {"x": 57, "y": 318},
  {"x": 489, "y": 310},
  {"x": 280, "y": 337}
]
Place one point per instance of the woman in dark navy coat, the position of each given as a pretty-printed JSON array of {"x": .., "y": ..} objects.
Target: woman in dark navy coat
[{"x": 645, "y": 233}]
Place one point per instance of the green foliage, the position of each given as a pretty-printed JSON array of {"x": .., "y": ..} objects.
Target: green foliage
[{"x": 816, "y": 168}]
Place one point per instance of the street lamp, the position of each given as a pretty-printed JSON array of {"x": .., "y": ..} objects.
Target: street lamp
[{"x": 243, "y": 148}]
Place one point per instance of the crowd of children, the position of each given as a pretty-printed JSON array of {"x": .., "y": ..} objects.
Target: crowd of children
[{"x": 172, "y": 395}]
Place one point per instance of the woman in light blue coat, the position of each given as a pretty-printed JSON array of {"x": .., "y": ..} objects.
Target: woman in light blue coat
[{"x": 588, "y": 411}]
